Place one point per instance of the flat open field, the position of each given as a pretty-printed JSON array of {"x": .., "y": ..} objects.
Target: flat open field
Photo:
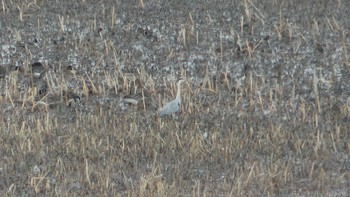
[{"x": 265, "y": 110}]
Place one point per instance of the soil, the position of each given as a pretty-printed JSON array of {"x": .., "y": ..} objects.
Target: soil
[{"x": 266, "y": 110}]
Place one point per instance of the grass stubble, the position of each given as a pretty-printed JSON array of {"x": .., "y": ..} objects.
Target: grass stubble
[{"x": 233, "y": 137}]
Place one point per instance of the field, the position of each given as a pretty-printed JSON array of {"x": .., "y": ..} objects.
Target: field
[{"x": 265, "y": 110}]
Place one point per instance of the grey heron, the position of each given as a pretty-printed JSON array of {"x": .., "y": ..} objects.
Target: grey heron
[{"x": 174, "y": 105}]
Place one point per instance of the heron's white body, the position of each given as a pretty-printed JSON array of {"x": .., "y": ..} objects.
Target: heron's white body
[{"x": 174, "y": 105}]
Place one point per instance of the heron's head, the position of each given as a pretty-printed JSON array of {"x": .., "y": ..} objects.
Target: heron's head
[{"x": 182, "y": 80}]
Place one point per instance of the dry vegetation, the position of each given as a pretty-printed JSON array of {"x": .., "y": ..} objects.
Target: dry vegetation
[{"x": 266, "y": 112}]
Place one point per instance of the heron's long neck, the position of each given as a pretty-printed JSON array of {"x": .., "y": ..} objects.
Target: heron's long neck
[{"x": 178, "y": 95}]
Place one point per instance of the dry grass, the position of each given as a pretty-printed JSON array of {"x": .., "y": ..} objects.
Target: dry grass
[{"x": 70, "y": 133}]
